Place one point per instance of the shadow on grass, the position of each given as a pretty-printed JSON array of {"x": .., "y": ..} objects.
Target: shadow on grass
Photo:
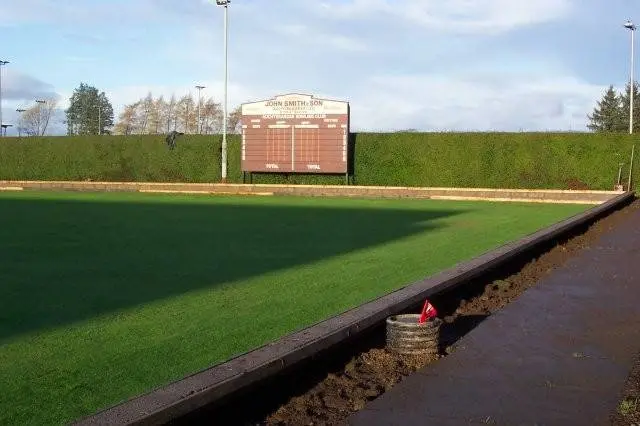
[{"x": 64, "y": 260}]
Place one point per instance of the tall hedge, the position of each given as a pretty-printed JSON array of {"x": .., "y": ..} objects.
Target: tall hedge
[{"x": 507, "y": 160}]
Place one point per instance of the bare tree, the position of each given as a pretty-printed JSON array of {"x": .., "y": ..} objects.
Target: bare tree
[
  {"x": 152, "y": 116},
  {"x": 171, "y": 114},
  {"x": 211, "y": 117},
  {"x": 157, "y": 117},
  {"x": 35, "y": 120},
  {"x": 145, "y": 108},
  {"x": 234, "y": 121},
  {"x": 187, "y": 114},
  {"x": 126, "y": 124}
]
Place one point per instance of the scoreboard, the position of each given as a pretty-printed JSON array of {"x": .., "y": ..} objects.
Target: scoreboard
[{"x": 295, "y": 133}]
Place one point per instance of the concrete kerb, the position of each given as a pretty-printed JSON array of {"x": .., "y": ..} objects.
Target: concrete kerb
[
  {"x": 241, "y": 373},
  {"x": 467, "y": 194}
]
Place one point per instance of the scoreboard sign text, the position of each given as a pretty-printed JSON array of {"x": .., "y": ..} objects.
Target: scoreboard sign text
[{"x": 295, "y": 134}]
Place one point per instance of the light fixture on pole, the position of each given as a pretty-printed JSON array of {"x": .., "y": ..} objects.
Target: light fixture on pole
[
  {"x": 99, "y": 119},
  {"x": 20, "y": 111},
  {"x": 225, "y": 4},
  {"x": 631, "y": 27},
  {"x": 199, "y": 103},
  {"x": 1, "y": 64},
  {"x": 39, "y": 101}
]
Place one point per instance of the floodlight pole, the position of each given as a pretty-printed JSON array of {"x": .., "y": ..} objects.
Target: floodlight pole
[
  {"x": 199, "y": 103},
  {"x": 39, "y": 114},
  {"x": 20, "y": 111},
  {"x": 631, "y": 27},
  {"x": 1, "y": 64},
  {"x": 99, "y": 119},
  {"x": 225, "y": 4}
]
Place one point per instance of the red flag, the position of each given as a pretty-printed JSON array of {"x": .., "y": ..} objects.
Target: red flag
[{"x": 428, "y": 311}]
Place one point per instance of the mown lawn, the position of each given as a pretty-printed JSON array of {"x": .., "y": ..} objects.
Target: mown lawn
[{"x": 105, "y": 296}]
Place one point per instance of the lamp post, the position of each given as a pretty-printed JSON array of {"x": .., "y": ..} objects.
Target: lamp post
[
  {"x": 1, "y": 64},
  {"x": 225, "y": 4},
  {"x": 39, "y": 101},
  {"x": 631, "y": 27},
  {"x": 99, "y": 119},
  {"x": 20, "y": 123},
  {"x": 5, "y": 126},
  {"x": 199, "y": 103}
]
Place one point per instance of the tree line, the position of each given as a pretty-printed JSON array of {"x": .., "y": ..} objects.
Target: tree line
[
  {"x": 152, "y": 115},
  {"x": 611, "y": 113},
  {"x": 90, "y": 112}
]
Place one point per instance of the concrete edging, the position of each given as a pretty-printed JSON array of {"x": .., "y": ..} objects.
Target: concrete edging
[
  {"x": 210, "y": 385},
  {"x": 484, "y": 194}
]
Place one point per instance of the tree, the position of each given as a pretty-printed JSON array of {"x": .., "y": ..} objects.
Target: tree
[
  {"x": 234, "y": 121},
  {"x": 35, "y": 120},
  {"x": 187, "y": 113},
  {"x": 625, "y": 101},
  {"x": 127, "y": 119},
  {"x": 89, "y": 112},
  {"x": 607, "y": 116},
  {"x": 211, "y": 117},
  {"x": 170, "y": 114},
  {"x": 151, "y": 115}
]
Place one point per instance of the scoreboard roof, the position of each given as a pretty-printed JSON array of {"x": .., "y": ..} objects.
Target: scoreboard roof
[{"x": 295, "y": 103}]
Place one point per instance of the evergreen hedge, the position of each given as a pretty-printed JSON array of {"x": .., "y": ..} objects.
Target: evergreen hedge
[{"x": 491, "y": 160}]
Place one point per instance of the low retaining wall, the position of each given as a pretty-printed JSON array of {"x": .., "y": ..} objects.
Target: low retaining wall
[
  {"x": 519, "y": 195},
  {"x": 243, "y": 372}
]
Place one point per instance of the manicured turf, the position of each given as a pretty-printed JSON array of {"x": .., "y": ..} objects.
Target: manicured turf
[{"x": 105, "y": 296}]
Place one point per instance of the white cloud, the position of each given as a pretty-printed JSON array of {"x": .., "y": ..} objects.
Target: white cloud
[
  {"x": 452, "y": 16},
  {"x": 428, "y": 102},
  {"x": 441, "y": 103},
  {"x": 309, "y": 35}
]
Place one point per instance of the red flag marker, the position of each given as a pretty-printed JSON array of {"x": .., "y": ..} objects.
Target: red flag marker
[{"x": 428, "y": 311}]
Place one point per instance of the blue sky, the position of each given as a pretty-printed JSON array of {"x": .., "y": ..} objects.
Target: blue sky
[{"x": 431, "y": 65}]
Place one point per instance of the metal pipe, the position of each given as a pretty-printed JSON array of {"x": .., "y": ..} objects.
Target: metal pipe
[
  {"x": 226, "y": 80},
  {"x": 632, "y": 86},
  {"x": 631, "y": 168},
  {"x": 20, "y": 122},
  {"x": 199, "y": 103},
  {"x": 1, "y": 64},
  {"x": 619, "y": 172},
  {"x": 631, "y": 27}
]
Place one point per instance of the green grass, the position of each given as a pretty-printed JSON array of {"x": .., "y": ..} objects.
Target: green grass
[{"x": 105, "y": 296}]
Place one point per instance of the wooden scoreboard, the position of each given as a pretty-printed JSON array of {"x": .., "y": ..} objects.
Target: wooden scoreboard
[{"x": 295, "y": 133}]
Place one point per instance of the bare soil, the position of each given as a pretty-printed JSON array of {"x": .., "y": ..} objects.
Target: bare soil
[
  {"x": 375, "y": 371},
  {"x": 576, "y": 184}
]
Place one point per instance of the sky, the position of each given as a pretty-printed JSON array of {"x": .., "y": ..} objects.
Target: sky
[{"x": 428, "y": 65}]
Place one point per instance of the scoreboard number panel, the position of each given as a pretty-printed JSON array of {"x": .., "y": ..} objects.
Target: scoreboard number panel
[{"x": 295, "y": 133}]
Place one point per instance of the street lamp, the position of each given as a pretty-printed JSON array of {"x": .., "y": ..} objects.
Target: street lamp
[
  {"x": 1, "y": 64},
  {"x": 199, "y": 121},
  {"x": 631, "y": 27},
  {"x": 20, "y": 111},
  {"x": 225, "y": 4},
  {"x": 99, "y": 119},
  {"x": 39, "y": 101}
]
